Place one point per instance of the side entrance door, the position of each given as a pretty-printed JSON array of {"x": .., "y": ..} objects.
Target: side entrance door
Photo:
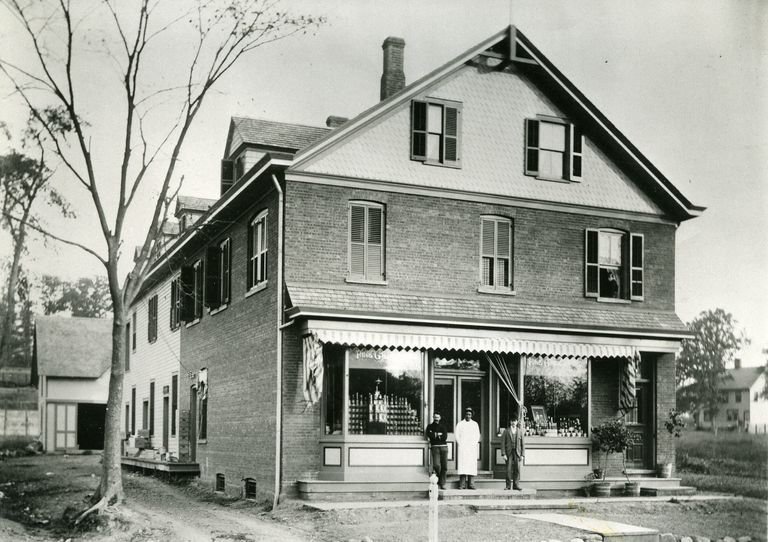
[
  {"x": 452, "y": 394},
  {"x": 640, "y": 420}
]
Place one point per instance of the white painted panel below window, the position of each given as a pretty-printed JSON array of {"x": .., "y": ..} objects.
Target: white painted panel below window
[
  {"x": 556, "y": 456},
  {"x": 398, "y": 457}
]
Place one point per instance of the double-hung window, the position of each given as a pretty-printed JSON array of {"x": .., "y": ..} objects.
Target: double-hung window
[
  {"x": 496, "y": 253},
  {"x": 198, "y": 289},
  {"x": 614, "y": 265},
  {"x": 152, "y": 319},
  {"x": 366, "y": 241},
  {"x": 133, "y": 332},
  {"x": 218, "y": 279},
  {"x": 436, "y": 132},
  {"x": 191, "y": 292},
  {"x": 257, "y": 250},
  {"x": 175, "y": 309},
  {"x": 553, "y": 149}
]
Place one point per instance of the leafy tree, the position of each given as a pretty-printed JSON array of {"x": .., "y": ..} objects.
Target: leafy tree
[
  {"x": 132, "y": 35},
  {"x": 86, "y": 296},
  {"x": 703, "y": 359},
  {"x": 23, "y": 181}
]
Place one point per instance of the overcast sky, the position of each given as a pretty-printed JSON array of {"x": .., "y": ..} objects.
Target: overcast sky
[{"x": 686, "y": 81}]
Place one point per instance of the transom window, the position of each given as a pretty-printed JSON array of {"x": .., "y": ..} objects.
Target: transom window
[
  {"x": 435, "y": 132},
  {"x": 553, "y": 149},
  {"x": 366, "y": 241},
  {"x": 257, "y": 250},
  {"x": 495, "y": 254},
  {"x": 614, "y": 265}
]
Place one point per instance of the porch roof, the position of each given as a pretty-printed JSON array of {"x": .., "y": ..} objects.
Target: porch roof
[{"x": 486, "y": 312}]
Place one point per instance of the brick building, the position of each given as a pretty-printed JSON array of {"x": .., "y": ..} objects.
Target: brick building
[{"x": 482, "y": 237}]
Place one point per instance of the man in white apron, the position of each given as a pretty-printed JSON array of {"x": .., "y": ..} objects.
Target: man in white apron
[{"x": 467, "y": 435}]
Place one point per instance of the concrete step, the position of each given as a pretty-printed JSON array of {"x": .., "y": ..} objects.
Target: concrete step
[
  {"x": 667, "y": 491},
  {"x": 619, "y": 481},
  {"x": 484, "y": 494},
  {"x": 611, "y": 531}
]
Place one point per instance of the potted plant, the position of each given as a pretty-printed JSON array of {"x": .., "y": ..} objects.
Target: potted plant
[
  {"x": 610, "y": 437},
  {"x": 675, "y": 425}
]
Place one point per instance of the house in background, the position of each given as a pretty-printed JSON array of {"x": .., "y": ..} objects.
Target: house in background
[
  {"x": 742, "y": 405},
  {"x": 71, "y": 365},
  {"x": 483, "y": 237}
]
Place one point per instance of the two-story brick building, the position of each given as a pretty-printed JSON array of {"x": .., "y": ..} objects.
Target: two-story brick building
[{"x": 482, "y": 237}]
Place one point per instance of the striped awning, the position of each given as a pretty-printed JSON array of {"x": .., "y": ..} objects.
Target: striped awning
[{"x": 499, "y": 342}]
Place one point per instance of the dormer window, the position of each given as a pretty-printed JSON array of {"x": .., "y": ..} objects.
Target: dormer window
[
  {"x": 436, "y": 132},
  {"x": 552, "y": 149}
]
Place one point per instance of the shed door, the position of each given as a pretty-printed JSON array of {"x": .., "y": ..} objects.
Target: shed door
[{"x": 66, "y": 426}]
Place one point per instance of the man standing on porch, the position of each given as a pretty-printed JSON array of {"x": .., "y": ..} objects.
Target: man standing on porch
[
  {"x": 467, "y": 439},
  {"x": 512, "y": 451},
  {"x": 438, "y": 435}
]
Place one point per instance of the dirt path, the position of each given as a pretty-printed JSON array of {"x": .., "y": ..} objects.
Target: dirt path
[{"x": 174, "y": 516}]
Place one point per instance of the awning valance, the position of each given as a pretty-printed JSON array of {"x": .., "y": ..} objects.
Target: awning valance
[{"x": 500, "y": 342}]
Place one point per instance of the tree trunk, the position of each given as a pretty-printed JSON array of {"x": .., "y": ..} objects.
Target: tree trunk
[
  {"x": 9, "y": 317},
  {"x": 111, "y": 486}
]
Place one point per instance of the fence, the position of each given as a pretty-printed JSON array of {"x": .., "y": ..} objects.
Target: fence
[
  {"x": 15, "y": 376},
  {"x": 19, "y": 417}
]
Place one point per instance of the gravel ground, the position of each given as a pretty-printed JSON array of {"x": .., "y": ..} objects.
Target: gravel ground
[{"x": 38, "y": 494}]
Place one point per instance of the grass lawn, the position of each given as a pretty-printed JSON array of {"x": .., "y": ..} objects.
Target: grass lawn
[{"x": 728, "y": 462}]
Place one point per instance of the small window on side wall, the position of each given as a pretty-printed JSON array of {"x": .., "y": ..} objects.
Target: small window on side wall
[
  {"x": 436, "y": 132},
  {"x": 553, "y": 149},
  {"x": 257, "y": 250}
]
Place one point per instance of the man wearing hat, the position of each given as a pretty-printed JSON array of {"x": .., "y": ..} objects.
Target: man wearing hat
[{"x": 467, "y": 435}]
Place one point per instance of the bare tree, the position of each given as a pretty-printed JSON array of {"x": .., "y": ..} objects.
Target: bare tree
[{"x": 224, "y": 31}]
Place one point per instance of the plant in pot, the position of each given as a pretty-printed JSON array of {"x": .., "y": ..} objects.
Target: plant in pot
[
  {"x": 610, "y": 437},
  {"x": 675, "y": 425}
]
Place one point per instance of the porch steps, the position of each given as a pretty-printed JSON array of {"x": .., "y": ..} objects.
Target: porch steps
[
  {"x": 667, "y": 491},
  {"x": 611, "y": 531},
  {"x": 482, "y": 493}
]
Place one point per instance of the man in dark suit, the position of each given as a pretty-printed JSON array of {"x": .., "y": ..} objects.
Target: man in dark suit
[
  {"x": 512, "y": 451},
  {"x": 437, "y": 435}
]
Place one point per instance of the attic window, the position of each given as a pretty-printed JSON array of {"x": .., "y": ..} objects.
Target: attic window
[
  {"x": 436, "y": 132},
  {"x": 553, "y": 149}
]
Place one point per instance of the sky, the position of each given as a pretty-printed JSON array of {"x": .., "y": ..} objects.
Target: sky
[{"x": 685, "y": 81}]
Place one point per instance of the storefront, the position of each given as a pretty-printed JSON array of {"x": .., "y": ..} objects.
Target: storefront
[{"x": 382, "y": 383}]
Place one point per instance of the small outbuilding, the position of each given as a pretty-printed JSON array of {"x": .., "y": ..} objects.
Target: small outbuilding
[{"x": 71, "y": 366}]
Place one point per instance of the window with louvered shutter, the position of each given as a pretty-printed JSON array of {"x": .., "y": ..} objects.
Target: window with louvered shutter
[
  {"x": 436, "y": 132},
  {"x": 636, "y": 266},
  {"x": 212, "y": 277},
  {"x": 225, "y": 263},
  {"x": 553, "y": 148},
  {"x": 187, "y": 293},
  {"x": 198, "y": 289},
  {"x": 366, "y": 241},
  {"x": 496, "y": 254},
  {"x": 590, "y": 264}
]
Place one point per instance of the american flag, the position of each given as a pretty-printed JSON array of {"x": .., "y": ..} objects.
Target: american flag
[
  {"x": 313, "y": 368},
  {"x": 627, "y": 382}
]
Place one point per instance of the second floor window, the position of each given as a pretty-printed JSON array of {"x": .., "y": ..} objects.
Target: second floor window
[
  {"x": 495, "y": 254},
  {"x": 198, "y": 289},
  {"x": 152, "y": 319},
  {"x": 191, "y": 292},
  {"x": 257, "y": 250},
  {"x": 366, "y": 241},
  {"x": 218, "y": 277},
  {"x": 614, "y": 263},
  {"x": 133, "y": 332},
  {"x": 175, "y": 310}
]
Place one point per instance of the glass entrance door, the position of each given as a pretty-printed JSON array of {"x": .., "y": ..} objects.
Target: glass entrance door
[{"x": 452, "y": 394}]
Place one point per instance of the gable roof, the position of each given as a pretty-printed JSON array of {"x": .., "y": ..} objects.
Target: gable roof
[
  {"x": 511, "y": 45},
  {"x": 269, "y": 134},
  {"x": 73, "y": 347},
  {"x": 740, "y": 379},
  {"x": 192, "y": 203}
]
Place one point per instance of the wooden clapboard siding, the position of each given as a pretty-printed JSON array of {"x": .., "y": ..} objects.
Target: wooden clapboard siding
[{"x": 157, "y": 360}]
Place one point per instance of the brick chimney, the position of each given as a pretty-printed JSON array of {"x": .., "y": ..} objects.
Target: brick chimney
[
  {"x": 392, "y": 78},
  {"x": 737, "y": 363}
]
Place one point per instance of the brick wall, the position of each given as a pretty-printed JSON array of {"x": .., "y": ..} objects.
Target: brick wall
[
  {"x": 665, "y": 401},
  {"x": 237, "y": 345},
  {"x": 605, "y": 393},
  {"x": 432, "y": 244}
]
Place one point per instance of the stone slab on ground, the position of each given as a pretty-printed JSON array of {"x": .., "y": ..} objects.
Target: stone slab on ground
[
  {"x": 667, "y": 491},
  {"x": 611, "y": 531},
  {"x": 482, "y": 493}
]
